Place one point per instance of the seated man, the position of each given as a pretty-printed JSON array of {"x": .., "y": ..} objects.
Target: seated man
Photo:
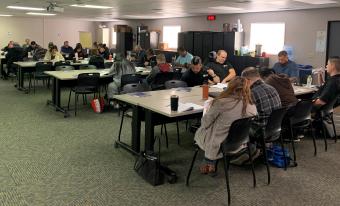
[
  {"x": 66, "y": 50},
  {"x": 161, "y": 67},
  {"x": 184, "y": 58},
  {"x": 14, "y": 53},
  {"x": 282, "y": 85},
  {"x": 331, "y": 89},
  {"x": 286, "y": 66},
  {"x": 265, "y": 97},
  {"x": 220, "y": 70},
  {"x": 196, "y": 75},
  {"x": 37, "y": 51},
  {"x": 140, "y": 56}
]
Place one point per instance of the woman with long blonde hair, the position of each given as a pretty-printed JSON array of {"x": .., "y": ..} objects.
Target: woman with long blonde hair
[{"x": 232, "y": 104}]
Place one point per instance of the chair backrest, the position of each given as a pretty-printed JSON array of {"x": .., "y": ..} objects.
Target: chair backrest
[
  {"x": 237, "y": 136},
  {"x": 97, "y": 61},
  {"x": 64, "y": 68},
  {"x": 175, "y": 84},
  {"x": 82, "y": 67},
  {"x": 88, "y": 80},
  {"x": 130, "y": 79},
  {"x": 160, "y": 79},
  {"x": 273, "y": 127},
  {"x": 108, "y": 64},
  {"x": 65, "y": 63},
  {"x": 302, "y": 112},
  {"x": 328, "y": 108},
  {"x": 40, "y": 67},
  {"x": 134, "y": 87}
]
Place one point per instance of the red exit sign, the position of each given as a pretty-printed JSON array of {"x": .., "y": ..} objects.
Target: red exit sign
[{"x": 211, "y": 17}]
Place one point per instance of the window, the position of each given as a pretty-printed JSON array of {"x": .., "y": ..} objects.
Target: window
[
  {"x": 270, "y": 35},
  {"x": 170, "y": 35},
  {"x": 114, "y": 38}
]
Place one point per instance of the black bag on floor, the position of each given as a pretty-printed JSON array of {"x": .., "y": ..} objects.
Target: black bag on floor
[{"x": 148, "y": 167}]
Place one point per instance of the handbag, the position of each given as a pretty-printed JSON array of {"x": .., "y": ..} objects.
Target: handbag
[
  {"x": 148, "y": 167},
  {"x": 98, "y": 104},
  {"x": 276, "y": 158}
]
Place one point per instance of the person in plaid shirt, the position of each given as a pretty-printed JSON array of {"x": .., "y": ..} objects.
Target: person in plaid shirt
[{"x": 265, "y": 97}]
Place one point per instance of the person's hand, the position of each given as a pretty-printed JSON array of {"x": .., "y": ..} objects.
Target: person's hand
[
  {"x": 211, "y": 72},
  {"x": 146, "y": 63}
]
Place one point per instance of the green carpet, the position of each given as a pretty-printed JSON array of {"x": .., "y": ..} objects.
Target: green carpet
[{"x": 46, "y": 159}]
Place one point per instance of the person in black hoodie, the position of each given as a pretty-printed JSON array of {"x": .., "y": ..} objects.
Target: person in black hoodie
[{"x": 15, "y": 53}]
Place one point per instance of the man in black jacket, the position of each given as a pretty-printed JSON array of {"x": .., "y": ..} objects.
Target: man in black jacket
[{"x": 15, "y": 53}]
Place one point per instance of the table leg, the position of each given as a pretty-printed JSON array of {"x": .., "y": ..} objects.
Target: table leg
[
  {"x": 56, "y": 93},
  {"x": 135, "y": 136},
  {"x": 149, "y": 131}
]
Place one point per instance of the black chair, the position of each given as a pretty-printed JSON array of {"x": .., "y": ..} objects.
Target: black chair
[
  {"x": 238, "y": 135},
  {"x": 62, "y": 63},
  {"x": 169, "y": 85},
  {"x": 87, "y": 83},
  {"x": 272, "y": 133},
  {"x": 108, "y": 64},
  {"x": 97, "y": 61},
  {"x": 64, "y": 68},
  {"x": 83, "y": 67},
  {"x": 326, "y": 113},
  {"x": 160, "y": 79},
  {"x": 40, "y": 68},
  {"x": 128, "y": 88},
  {"x": 300, "y": 119},
  {"x": 130, "y": 79}
]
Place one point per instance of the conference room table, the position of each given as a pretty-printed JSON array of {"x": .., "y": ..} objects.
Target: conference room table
[
  {"x": 29, "y": 67},
  {"x": 153, "y": 107},
  {"x": 68, "y": 79}
]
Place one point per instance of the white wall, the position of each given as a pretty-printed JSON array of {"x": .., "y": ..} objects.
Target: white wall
[
  {"x": 43, "y": 30},
  {"x": 301, "y": 28}
]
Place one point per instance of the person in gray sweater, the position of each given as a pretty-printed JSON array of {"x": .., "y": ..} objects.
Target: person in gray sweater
[
  {"x": 120, "y": 67},
  {"x": 232, "y": 104}
]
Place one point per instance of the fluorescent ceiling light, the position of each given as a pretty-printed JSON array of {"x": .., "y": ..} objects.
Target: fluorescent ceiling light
[
  {"x": 318, "y": 1},
  {"x": 226, "y": 8},
  {"x": 40, "y": 14},
  {"x": 5, "y": 15},
  {"x": 26, "y": 8},
  {"x": 91, "y": 6}
]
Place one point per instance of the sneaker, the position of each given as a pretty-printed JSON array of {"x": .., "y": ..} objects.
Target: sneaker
[{"x": 300, "y": 136}]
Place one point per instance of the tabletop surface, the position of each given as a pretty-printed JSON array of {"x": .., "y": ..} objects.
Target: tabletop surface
[
  {"x": 26, "y": 64},
  {"x": 159, "y": 101},
  {"x": 73, "y": 74}
]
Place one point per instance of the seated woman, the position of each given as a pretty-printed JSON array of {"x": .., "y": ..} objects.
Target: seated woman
[
  {"x": 232, "y": 104},
  {"x": 80, "y": 51},
  {"x": 161, "y": 66},
  {"x": 53, "y": 55},
  {"x": 120, "y": 67}
]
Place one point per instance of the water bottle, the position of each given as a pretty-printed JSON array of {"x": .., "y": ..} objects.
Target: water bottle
[
  {"x": 76, "y": 56},
  {"x": 309, "y": 81}
]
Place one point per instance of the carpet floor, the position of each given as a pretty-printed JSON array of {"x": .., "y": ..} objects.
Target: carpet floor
[{"x": 46, "y": 159}]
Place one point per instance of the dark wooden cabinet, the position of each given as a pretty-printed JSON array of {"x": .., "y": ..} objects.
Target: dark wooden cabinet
[{"x": 124, "y": 42}]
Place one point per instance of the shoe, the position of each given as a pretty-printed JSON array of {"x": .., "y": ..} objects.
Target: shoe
[
  {"x": 207, "y": 169},
  {"x": 300, "y": 136}
]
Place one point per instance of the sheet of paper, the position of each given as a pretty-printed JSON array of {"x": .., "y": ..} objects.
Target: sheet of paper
[
  {"x": 220, "y": 86},
  {"x": 183, "y": 107}
]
